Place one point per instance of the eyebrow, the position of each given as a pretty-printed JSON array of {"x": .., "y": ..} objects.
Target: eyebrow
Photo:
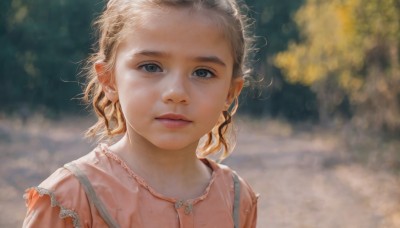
[
  {"x": 205, "y": 59},
  {"x": 151, "y": 53},
  {"x": 210, "y": 59}
]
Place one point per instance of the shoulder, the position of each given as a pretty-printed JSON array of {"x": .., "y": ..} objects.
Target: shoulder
[
  {"x": 55, "y": 198},
  {"x": 64, "y": 180},
  {"x": 95, "y": 165},
  {"x": 246, "y": 191},
  {"x": 61, "y": 196},
  {"x": 247, "y": 194}
]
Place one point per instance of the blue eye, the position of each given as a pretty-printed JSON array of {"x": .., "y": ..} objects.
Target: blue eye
[
  {"x": 203, "y": 73},
  {"x": 151, "y": 68}
]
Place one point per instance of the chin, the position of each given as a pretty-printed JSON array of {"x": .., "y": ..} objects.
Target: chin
[{"x": 175, "y": 146}]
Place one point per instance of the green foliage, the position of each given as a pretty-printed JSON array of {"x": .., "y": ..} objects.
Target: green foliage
[
  {"x": 273, "y": 95},
  {"x": 43, "y": 43}
]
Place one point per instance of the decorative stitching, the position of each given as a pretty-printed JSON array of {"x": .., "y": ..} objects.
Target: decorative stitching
[
  {"x": 179, "y": 204},
  {"x": 64, "y": 212},
  {"x": 188, "y": 208},
  {"x": 91, "y": 194},
  {"x": 104, "y": 149},
  {"x": 236, "y": 200}
]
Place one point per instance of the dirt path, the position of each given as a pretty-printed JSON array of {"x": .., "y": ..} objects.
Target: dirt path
[
  {"x": 304, "y": 179},
  {"x": 307, "y": 180}
]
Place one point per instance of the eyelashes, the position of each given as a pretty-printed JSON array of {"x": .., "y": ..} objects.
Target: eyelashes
[
  {"x": 150, "y": 68},
  {"x": 203, "y": 73}
]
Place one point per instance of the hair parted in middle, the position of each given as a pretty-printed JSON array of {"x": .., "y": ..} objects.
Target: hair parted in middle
[{"x": 115, "y": 22}]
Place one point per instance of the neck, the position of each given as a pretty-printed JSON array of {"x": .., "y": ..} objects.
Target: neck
[
  {"x": 153, "y": 163},
  {"x": 178, "y": 174}
]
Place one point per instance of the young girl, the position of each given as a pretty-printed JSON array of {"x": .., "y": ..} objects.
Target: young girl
[{"x": 165, "y": 75}]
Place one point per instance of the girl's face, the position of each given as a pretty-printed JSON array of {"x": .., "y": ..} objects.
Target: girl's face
[{"x": 173, "y": 77}]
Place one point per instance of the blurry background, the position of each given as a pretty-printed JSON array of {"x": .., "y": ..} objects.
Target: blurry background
[{"x": 320, "y": 129}]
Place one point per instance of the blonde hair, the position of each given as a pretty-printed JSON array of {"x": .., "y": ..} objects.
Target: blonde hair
[{"x": 111, "y": 25}]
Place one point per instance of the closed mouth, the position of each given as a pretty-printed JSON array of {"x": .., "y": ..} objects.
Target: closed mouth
[{"x": 173, "y": 117}]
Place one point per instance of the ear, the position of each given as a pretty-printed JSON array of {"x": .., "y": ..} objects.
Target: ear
[
  {"x": 234, "y": 91},
  {"x": 106, "y": 81}
]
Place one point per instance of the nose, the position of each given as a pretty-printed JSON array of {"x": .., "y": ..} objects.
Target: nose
[{"x": 175, "y": 89}]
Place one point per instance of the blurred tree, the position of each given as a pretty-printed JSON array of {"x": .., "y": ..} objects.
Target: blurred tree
[
  {"x": 349, "y": 54},
  {"x": 274, "y": 27},
  {"x": 44, "y": 40},
  {"x": 42, "y": 43}
]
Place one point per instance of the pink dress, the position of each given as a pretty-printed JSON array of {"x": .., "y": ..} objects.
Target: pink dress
[{"x": 60, "y": 201}]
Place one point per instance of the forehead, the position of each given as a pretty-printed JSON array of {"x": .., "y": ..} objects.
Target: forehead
[
  {"x": 171, "y": 13},
  {"x": 177, "y": 28}
]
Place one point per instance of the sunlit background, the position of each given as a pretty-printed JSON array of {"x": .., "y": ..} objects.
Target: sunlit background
[{"x": 319, "y": 126}]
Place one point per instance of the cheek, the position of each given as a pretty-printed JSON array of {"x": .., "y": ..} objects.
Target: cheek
[
  {"x": 213, "y": 103},
  {"x": 135, "y": 99}
]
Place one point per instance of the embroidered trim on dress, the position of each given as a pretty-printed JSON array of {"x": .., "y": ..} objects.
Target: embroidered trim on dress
[
  {"x": 104, "y": 149},
  {"x": 64, "y": 212}
]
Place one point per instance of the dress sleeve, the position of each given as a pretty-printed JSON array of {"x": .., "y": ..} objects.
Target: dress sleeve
[
  {"x": 59, "y": 201},
  {"x": 248, "y": 205},
  {"x": 251, "y": 216},
  {"x": 44, "y": 211}
]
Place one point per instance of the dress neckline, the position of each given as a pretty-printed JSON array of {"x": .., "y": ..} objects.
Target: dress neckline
[{"x": 209, "y": 163}]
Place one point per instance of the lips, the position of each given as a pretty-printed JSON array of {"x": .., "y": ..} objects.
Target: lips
[
  {"x": 172, "y": 116},
  {"x": 172, "y": 120}
]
